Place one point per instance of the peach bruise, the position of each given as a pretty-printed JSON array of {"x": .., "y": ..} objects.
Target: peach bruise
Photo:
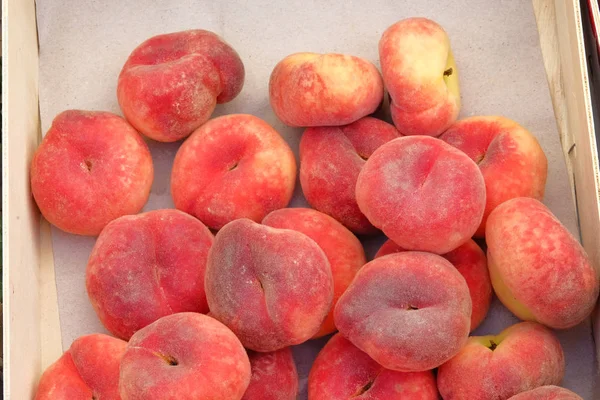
[
  {"x": 272, "y": 287},
  {"x": 342, "y": 371},
  {"x": 171, "y": 83},
  {"x": 331, "y": 159},
  {"x": 146, "y": 266},
  {"x": 235, "y": 166},
  {"x": 408, "y": 311},
  {"x": 90, "y": 168}
]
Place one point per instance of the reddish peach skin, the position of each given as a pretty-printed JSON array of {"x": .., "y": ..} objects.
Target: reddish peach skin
[
  {"x": 272, "y": 287},
  {"x": 343, "y": 250},
  {"x": 274, "y": 376},
  {"x": 538, "y": 269},
  {"x": 420, "y": 74},
  {"x": 185, "y": 356},
  {"x": 146, "y": 266},
  {"x": 235, "y": 166},
  {"x": 510, "y": 158},
  {"x": 470, "y": 261},
  {"x": 422, "y": 193},
  {"x": 331, "y": 159},
  {"x": 549, "y": 392},
  {"x": 342, "y": 371},
  {"x": 310, "y": 89},
  {"x": 521, "y": 358},
  {"x": 171, "y": 83},
  {"x": 90, "y": 168},
  {"x": 88, "y": 370},
  {"x": 409, "y": 311}
]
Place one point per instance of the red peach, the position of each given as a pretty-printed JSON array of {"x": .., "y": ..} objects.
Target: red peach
[
  {"x": 422, "y": 193},
  {"x": 549, "y": 392},
  {"x": 146, "y": 266},
  {"x": 90, "y": 168},
  {"x": 331, "y": 159},
  {"x": 274, "y": 376},
  {"x": 310, "y": 89},
  {"x": 343, "y": 250},
  {"x": 235, "y": 166},
  {"x": 510, "y": 158},
  {"x": 171, "y": 83},
  {"x": 272, "y": 287},
  {"x": 470, "y": 261},
  {"x": 185, "y": 356},
  {"x": 421, "y": 76},
  {"x": 538, "y": 269},
  {"x": 522, "y": 357},
  {"x": 88, "y": 370},
  {"x": 409, "y": 311},
  {"x": 342, "y": 371}
]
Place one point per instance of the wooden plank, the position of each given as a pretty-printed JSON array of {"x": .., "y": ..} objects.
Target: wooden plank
[{"x": 22, "y": 241}]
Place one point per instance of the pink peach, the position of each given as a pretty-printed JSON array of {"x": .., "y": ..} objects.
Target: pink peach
[
  {"x": 90, "y": 168},
  {"x": 342, "y": 371},
  {"x": 331, "y": 159},
  {"x": 146, "y": 266},
  {"x": 343, "y": 250},
  {"x": 310, "y": 89},
  {"x": 171, "y": 83},
  {"x": 422, "y": 193},
  {"x": 88, "y": 370},
  {"x": 510, "y": 158},
  {"x": 409, "y": 311},
  {"x": 185, "y": 356},
  {"x": 235, "y": 166},
  {"x": 274, "y": 376},
  {"x": 549, "y": 392},
  {"x": 272, "y": 287}
]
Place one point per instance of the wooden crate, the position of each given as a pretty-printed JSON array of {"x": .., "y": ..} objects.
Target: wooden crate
[{"x": 31, "y": 324}]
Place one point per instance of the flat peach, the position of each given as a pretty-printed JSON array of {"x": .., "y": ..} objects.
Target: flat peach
[
  {"x": 343, "y": 250},
  {"x": 90, "y": 168},
  {"x": 274, "y": 376},
  {"x": 235, "y": 166},
  {"x": 331, "y": 159},
  {"x": 408, "y": 311},
  {"x": 547, "y": 393},
  {"x": 272, "y": 287},
  {"x": 310, "y": 89},
  {"x": 342, "y": 371},
  {"x": 146, "y": 266},
  {"x": 470, "y": 261},
  {"x": 538, "y": 269},
  {"x": 171, "y": 83},
  {"x": 522, "y": 357},
  {"x": 510, "y": 158},
  {"x": 422, "y": 193}
]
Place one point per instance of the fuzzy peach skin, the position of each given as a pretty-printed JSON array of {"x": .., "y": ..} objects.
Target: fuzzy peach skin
[
  {"x": 421, "y": 76},
  {"x": 88, "y": 370},
  {"x": 272, "y": 287},
  {"x": 171, "y": 83},
  {"x": 522, "y": 357},
  {"x": 538, "y": 269},
  {"x": 185, "y": 356},
  {"x": 343, "y": 250},
  {"x": 274, "y": 376},
  {"x": 510, "y": 158},
  {"x": 90, "y": 168},
  {"x": 422, "y": 193},
  {"x": 331, "y": 159},
  {"x": 549, "y": 392},
  {"x": 342, "y": 371},
  {"x": 310, "y": 89},
  {"x": 470, "y": 261},
  {"x": 235, "y": 166},
  {"x": 146, "y": 266},
  {"x": 409, "y": 311}
]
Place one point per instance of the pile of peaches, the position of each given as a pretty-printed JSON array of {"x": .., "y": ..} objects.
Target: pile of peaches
[{"x": 205, "y": 300}]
